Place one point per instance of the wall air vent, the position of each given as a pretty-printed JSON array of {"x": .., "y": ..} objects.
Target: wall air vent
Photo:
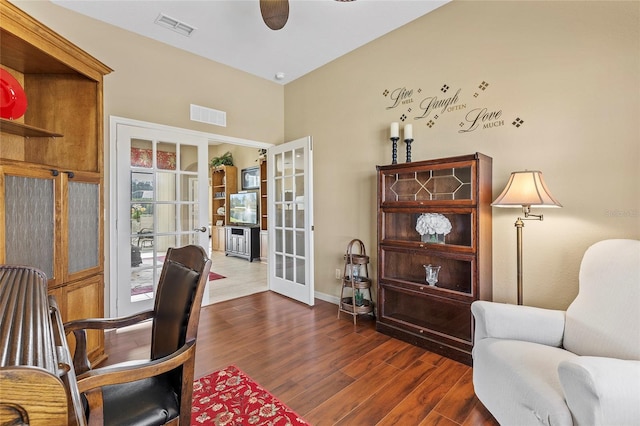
[
  {"x": 208, "y": 115},
  {"x": 175, "y": 25}
]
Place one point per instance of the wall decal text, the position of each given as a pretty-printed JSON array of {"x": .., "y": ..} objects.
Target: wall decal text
[{"x": 413, "y": 105}]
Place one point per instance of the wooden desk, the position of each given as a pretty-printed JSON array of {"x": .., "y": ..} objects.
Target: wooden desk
[{"x": 37, "y": 380}]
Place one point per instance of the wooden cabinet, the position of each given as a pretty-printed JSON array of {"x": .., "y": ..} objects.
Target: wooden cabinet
[
  {"x": 51, "y": 166},
  {"x": 224, "y": 181},
  {"x": 79, "y": 300},
  {"x": 264, "y": 246},
  {"x": 454, "y": 195},
  {"x": 243, "y": 241},
  {"x": 217, "y": 238}
]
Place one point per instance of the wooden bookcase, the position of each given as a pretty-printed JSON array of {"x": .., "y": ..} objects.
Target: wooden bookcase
[
  {"x": 51, "y": 167},
  {"x": 224, "y": 181},
  {"x": 434, "y": 317}
]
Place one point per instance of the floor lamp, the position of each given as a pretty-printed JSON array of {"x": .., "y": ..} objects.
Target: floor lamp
[{"x": 525, "y": 189}]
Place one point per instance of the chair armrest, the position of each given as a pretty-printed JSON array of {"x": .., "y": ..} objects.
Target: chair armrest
[
  {"x": 131, "y": 371},
  {"x": 527, "y": 323},
  {"x": 602, "y": 391},
  {"x": 81, "y": 362},
  {"x": 106, "y": 323}
]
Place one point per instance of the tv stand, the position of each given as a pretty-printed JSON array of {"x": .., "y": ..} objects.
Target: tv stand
[{"x": 243, "y": 241}]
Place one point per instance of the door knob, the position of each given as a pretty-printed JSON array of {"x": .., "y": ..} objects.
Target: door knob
[{"x": 201, "y": 229}]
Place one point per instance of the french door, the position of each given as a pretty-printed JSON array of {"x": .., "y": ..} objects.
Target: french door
[
  {"x": 290, "y": 213},
  {"x": 161, "y": 201}
]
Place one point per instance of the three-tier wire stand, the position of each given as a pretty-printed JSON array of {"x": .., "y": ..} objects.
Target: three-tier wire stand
[{"x": 355, "y": 295}]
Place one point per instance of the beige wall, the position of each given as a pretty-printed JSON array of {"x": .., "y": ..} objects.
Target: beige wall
[
  {"x": 570, "y": 70},
  {"x": 155, "y": 82}
]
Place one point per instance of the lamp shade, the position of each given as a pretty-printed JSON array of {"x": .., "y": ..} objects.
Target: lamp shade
[{"x": 526, "y": 188}]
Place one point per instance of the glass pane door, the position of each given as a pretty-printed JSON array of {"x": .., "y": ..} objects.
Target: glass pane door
[
  {"x": 289, "y": 167},
  {"x": 164, "y": 177}
]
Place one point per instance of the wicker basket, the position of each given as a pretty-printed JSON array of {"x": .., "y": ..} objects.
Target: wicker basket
[{"x": 366, "y": 308}]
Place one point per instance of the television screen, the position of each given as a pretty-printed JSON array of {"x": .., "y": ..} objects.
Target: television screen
[{"x": 243, "y": 209}]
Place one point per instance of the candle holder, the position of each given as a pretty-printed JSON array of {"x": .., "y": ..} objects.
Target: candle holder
[
  {"x": 408, "y": 142},
  {"x": 394, "y": 156}
]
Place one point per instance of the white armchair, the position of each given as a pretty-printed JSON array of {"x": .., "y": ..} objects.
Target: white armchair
[{"x": 534, "y": 366}]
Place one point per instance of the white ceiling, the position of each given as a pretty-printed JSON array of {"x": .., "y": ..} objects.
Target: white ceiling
[{"x": 232, "y": 31}]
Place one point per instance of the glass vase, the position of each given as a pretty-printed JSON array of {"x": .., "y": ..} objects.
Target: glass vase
[
  {"x": 433, "y": 238},
  {"x": 432, "y": 272}
]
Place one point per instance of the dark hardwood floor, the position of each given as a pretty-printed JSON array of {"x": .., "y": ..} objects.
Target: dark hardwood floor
[{"x": 327, "y": 370}]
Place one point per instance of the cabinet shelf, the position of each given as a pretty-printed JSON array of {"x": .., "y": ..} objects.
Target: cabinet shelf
[{"x": 25, "y": 130}]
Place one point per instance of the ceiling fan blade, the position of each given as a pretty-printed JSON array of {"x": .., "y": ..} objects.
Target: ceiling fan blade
[{"x": 274, "y": 13}]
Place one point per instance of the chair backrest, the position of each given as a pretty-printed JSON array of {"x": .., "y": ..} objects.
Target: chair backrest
[
  {"x": 178, "y": 299},
  {"x": 604, "y": 319}
]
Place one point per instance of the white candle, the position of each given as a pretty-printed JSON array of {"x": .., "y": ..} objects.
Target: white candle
[
  {"x": 395, "y": 130},
  {"x": 408, "y": 131}
]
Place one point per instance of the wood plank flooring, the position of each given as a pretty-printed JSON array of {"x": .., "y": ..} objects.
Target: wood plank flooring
[{"x": 326, "y": 369}]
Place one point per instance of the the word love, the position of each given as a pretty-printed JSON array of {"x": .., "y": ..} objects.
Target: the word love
[{"x": 481, "y": 117}]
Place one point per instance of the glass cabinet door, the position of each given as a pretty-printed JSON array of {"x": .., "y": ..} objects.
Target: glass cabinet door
[
  {"x": 452, "y": 182},
  {"x": 417, "y": 227},
  {"x": 407, "y": 268},
  {"x": 83, "y": 224},
  {"x": 30, "y": 211}
]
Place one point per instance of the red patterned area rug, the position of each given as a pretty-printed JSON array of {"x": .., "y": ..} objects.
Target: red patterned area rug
[
  {"x": 214, "y": 276},
  {"x": 229, "y": 397}
]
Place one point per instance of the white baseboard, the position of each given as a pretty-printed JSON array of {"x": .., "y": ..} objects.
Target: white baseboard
[{"x": 327, "y": 298}]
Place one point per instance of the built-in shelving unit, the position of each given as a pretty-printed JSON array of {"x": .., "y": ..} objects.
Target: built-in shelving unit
[
  {"x": 51, "y": 167},
  {"x": 224, "y": 181}
]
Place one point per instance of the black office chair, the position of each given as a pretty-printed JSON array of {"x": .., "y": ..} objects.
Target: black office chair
[{"x": 156, "y": 391}]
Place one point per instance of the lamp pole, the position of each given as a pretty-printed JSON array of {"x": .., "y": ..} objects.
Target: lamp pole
[
  {"x": 519, "y": 225},
  {"x": 525, "y": 189}
]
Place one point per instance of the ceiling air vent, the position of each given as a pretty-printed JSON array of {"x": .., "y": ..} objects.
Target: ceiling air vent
[
  {"x": 208, "y": 115},
  {"x": 175, "y": 25}
]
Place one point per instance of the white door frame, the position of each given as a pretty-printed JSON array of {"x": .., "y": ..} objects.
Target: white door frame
[{"x": 111, "y": 237}]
